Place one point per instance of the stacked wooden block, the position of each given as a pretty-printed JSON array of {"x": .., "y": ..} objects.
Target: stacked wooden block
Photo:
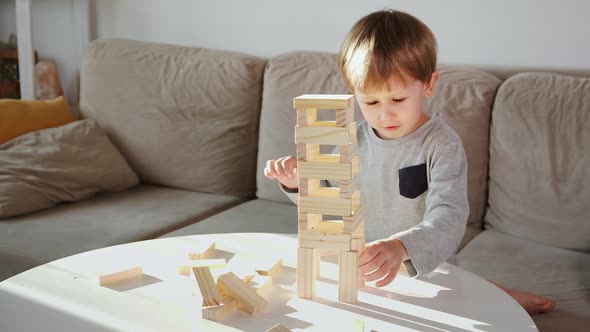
[{"x": 315, "y": 202}]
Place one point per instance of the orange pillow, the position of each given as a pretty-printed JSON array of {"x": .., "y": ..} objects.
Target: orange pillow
[{"x": 19, "y": 117}]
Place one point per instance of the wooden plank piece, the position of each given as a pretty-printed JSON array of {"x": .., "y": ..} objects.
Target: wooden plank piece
[
  {"x": 348, "y": 277},
  {"x": 247, "y": 298},
  {"x": 217, "y": 312},
  {"x": 306, "y": 272},
  {"x": 326, "y": 205},
  {"x": 311, "y": 239},
  {"x": 186, "y": 267},
  {"x": 269, "y": 267},
  {"x": 202, "y": 250},
  {"x": 322, "y": 135},
  {"x": 111, "y": 277},
  {"x": 323, "y": 101},
  {"x": 209, "y": 291}
]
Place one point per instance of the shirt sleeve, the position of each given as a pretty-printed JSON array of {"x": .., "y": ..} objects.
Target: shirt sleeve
[{"x": 437, "y": 236}]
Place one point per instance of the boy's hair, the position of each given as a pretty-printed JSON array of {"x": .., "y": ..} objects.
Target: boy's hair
[{"x": 383, "y": 44}]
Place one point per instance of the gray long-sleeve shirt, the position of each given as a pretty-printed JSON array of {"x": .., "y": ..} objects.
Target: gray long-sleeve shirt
[{"x": 415, "y": 189}]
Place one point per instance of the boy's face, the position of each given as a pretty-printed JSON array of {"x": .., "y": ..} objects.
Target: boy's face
[{"x": 396, "y": 111}]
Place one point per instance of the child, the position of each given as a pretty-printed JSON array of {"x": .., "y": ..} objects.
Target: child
[{"x": 413, "y": 167}]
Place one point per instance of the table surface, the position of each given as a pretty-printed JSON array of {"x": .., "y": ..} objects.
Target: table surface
[{"x": 64, "y": 295}]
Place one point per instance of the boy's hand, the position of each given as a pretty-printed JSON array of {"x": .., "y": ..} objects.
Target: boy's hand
[
  {"x": 283, "y": 169},
  {"x": 382, "y": 259}
]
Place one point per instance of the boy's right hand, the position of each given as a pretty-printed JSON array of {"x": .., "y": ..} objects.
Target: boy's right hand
[{"x": 283, "y": 169}]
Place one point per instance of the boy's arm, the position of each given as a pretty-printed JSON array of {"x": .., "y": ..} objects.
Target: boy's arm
[
  {"x": 437, "y": 236},
  {"x": 291, "y": 193}
]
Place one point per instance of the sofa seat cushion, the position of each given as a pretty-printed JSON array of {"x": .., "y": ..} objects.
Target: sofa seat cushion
[
  {"x": 559, "y": 274},
  {"x": 139, "y": 213},
  {"x": 258, "y": 215}
]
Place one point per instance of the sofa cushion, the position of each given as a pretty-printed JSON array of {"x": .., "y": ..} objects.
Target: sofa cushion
[
  {"x": 559, "y": 274},
  {"x": 464, "y": 96},
  {"x": 140, "y": 213},
  {"x": 286, "y": 77},
  {"x": 65, "y": 164},
  {"x": 540, "y": 160},
  {"x": 258, "y": 215},
  {"x": 184, "y": 117},
  {"x": 18, "y": 117}
]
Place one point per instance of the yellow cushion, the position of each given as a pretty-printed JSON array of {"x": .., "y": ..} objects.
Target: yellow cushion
[{"x": 19, "y": 117}]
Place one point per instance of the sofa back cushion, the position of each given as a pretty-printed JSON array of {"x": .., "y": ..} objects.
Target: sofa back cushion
[
  {"x": 540, "y": 160},
  {"x": 183, "y": 117},
  {"x": 464, "y": 96}
]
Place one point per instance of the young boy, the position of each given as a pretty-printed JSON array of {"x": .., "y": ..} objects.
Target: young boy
[{"x": 413, "y": 167}]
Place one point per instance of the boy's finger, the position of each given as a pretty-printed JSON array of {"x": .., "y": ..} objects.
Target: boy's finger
[
  {"x": 388, "y": 279},
  {"x": 378, "y": 274},
  {"x": 278, "y": 168},
  {"x": 286, "y": 169},
  {"x": 367, "y": 256}
]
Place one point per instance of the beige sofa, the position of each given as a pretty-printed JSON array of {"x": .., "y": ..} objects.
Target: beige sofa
[{"x": 197, "y": 126}]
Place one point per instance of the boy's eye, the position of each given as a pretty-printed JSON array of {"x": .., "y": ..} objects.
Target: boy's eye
[
  {"x": 371, "y": 103},
  {"x": 399, "y": 100}
]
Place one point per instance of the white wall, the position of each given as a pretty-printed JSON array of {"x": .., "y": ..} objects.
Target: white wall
[
  {"x": 527, "y": 34},
  {"x": 55, "y": 36}
]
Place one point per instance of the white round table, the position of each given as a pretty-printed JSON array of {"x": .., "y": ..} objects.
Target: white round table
[{"x": 64, "y": 295}]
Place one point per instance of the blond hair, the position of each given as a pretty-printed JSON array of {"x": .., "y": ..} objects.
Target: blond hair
[{"x": 384, "y": 44}]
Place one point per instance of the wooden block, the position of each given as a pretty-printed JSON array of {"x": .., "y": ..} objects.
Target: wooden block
[
  {"x": 308, "y": 221},
  {"x": 186, "y": 267},
  {"x": 345, "y": 116},
  {"x": 323, "y": 101},
  {"x": 306, "y": 186},
  {"x": 348, "y": 152},
  {"x": 202, "y": 250},
  {"x": 323, "y": 135},
  {"x": 316, "y": 263},
  {"x": 359, "y": 231},
  {"x": 348, "y": 277},
  {"x": 262, "y": 285},
  {"x": 307, "y": 152},
  {"x": 326, "y": 205},
  {"x": 111, "y": 277},
  {"x": 306, "y": 272},
  {"x": 269, "y": 267},
  {"x": 247, "y": 298},
  {"x": 209, "y": 291},
  {"x": 278, "y": 328},
  {"x": 217, "y": 312},
  {"x": 353, "y": 221},
  {"x": 311, "y": 239},
  {"x": 349, "y": 187},
  {"x": 305, "y": 117},
  {"x": 327, "y": 170}
]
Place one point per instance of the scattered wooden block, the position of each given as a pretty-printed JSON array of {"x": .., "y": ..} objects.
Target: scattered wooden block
[
  {"x": 217, "y": 312},
  {"x": 278, "y": 328},
  {"x": 269, "y": 267},
  {"x": 319, "y": 240},
  {"x": 186, "y": 267},
  {"x": 211, "y": 295},
  {"x": 307, "y": 272},
  {"x": 323, "y": 135},
  {"x": 247, "y": 298},
  {"x": 261, "y": 284},
  {"x": 348, "y": 277},
  {"x": 323, "y": 101},
  {"x": 203, "y": 250},
  {"x": 111, "y": 277}
]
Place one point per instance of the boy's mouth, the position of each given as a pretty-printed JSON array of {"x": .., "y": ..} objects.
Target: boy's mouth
[{"x": 392, "y": 127}]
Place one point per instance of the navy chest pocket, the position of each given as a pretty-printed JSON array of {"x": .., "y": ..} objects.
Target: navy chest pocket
[{"x": 413, "y": 181}]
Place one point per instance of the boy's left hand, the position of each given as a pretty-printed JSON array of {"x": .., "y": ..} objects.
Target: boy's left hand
[{"x": 382, "y": 259}]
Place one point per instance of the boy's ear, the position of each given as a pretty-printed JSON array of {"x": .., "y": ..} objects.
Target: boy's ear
[{"x": 429, "y": 87}]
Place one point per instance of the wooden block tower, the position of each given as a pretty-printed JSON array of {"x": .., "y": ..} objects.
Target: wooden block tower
[{"x": 347, "y": 236}]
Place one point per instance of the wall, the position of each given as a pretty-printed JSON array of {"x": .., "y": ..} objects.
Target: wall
[{"x": 529, "y": 34}]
